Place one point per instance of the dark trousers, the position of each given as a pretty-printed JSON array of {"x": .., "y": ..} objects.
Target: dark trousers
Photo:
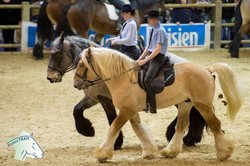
[
  {"x": 131, "y": 51},
  {"x": 153, "y": 68}
]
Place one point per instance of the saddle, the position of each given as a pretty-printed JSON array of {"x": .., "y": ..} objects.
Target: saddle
[{"x": 164, "y": 77}]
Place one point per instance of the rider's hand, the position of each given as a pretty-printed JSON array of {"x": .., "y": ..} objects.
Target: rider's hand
[
  {"x": 107, "y": 41},
  {"x": 142, "y": 62}
]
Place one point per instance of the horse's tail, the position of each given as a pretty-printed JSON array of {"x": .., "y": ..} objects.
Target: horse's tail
[{"x": 229, "y": 87}]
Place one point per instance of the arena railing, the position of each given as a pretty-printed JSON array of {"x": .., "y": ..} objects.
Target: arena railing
[{"x": 216, "y": 24}]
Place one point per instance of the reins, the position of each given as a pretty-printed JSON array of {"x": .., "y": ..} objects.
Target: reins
[{"x": 98, "y": 80}]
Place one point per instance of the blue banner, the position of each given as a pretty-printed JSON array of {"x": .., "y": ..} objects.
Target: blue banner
[
  {"x": 183, "y": 35},
  {"x": 179, "y": 36}
]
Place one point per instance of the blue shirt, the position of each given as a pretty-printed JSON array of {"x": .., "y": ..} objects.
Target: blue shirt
[
  {"x": 128, "y": 35},
  {"x": 159, "y": 36}
]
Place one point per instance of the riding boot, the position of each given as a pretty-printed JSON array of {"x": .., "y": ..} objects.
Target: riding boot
[{"x": 151, "y": 104}]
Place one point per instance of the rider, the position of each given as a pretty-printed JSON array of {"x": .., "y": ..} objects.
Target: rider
[
  {"x": 153, "y": 55},
  {"x": 128, "y": 34},
  {"x": 118, "y": 4}
]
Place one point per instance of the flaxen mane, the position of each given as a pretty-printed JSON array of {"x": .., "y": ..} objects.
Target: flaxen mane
[{"x": 109, "y": 62}]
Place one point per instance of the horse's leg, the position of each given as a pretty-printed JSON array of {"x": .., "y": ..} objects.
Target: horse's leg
[
  {"x": 195, "y": 130},
  {"x": 83, "y": 125},
  {"x": 224, "y": 146},
  {"x": 149, "y": 149},
  {"x": 44, "y": 31},
  {"x": 110, "y": 111},
  {"x": 63, "y": 24},
  {"x": 171, "y": 129},
  {"x": 105, "y": 151},
  {"x": 234, "y": 45},
  {"x": 175, "y": 145}
]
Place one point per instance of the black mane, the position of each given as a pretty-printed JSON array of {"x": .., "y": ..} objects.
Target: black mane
[{"x": 77, "y": 45}]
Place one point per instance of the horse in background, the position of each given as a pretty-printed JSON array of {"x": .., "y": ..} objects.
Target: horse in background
[
  {"x": 242, "y": 27},
  {"x": 49, "y": 16},
  {"x": 94, "y": 15},
  {"x": 55, "y": 13}
]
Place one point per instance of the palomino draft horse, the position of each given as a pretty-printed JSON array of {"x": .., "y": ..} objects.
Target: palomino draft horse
[
  {"x": 244, "y": 17},
  {"x": 190, "y": 82},
  {"x": 65, "y": 54},
  {"x": 89, "y": 14}
]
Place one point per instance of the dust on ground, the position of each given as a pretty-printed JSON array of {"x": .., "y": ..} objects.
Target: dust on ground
[{"x": 29, "y": 102}]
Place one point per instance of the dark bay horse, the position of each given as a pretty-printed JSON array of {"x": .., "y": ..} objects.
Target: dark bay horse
[
  {"x": 92, "y": 14},
  {"x": 79, "y": 16},
  {"x": 242, "y": 26},
  {"x": 65, "y": 54}
]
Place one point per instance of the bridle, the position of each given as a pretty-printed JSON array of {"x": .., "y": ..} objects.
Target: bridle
[{"x": 71, "y": 67}]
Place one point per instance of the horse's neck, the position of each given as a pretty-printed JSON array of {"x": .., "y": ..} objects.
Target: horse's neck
[{"x": 75, "y": 53}]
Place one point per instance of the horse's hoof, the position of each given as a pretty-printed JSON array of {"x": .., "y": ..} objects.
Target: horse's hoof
[
  {"x": 225, "y": 150},
  {"x": 188, "y": 141},
  {"x": 234, "y": 54},
  {"x": 149, "y": 156},
  {"x": 169, "y": 153},
  {"x": 101, "y": 155}
]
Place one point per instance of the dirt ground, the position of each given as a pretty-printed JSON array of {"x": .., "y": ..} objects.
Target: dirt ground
[{"x": 29, "y": 102}]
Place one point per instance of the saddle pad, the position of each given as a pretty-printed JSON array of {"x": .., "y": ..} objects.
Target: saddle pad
[{"x": 111, "y": 12}]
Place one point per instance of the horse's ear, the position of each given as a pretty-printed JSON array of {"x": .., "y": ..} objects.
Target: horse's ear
[
  {"x": 89, "y": 52},
  {"x": 88, "y": 55},
  {"x": 62, "y": 37}
]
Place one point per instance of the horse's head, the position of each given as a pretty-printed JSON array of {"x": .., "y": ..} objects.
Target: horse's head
[
  {"x": 33, "y": 149},
  {"x": 85, "y": 75},
  {"x": 25, "y": 146},
  {"x": 60, "y": 59}
]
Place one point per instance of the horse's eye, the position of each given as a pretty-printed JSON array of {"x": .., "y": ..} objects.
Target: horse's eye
[{"x": 56, "y": 54}]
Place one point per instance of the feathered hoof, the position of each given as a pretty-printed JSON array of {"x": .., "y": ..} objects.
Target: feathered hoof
[
  {"x": 149, "y": 156},
  {"x": 169, "y": 153},
  {"x": 101, "y": 155},
  {"x": 226, "y": 151}
]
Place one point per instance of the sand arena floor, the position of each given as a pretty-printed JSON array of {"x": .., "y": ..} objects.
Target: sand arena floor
[{"x": 29, "y": 102}]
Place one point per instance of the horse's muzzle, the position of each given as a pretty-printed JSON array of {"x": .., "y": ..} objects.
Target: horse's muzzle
[{"x": 78, "y": 84}]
